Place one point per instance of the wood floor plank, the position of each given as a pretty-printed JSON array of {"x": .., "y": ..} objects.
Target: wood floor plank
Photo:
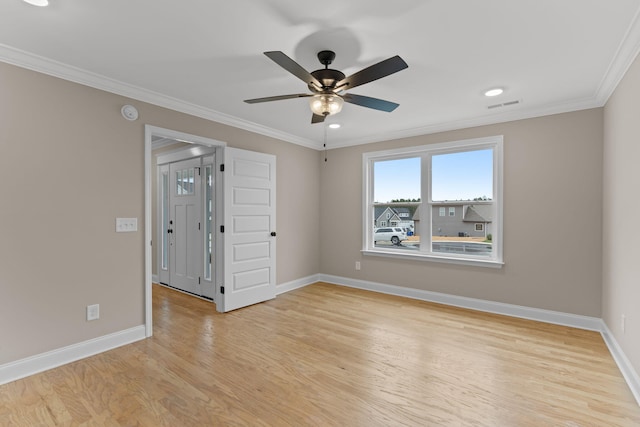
[{"x": 327, "y": 355}]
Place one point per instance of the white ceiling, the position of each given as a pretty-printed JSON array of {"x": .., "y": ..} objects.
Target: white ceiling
[{"x": 204, "y": 57}]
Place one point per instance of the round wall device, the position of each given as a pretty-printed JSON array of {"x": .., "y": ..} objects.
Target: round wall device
[{"x": 129, "y": 112}]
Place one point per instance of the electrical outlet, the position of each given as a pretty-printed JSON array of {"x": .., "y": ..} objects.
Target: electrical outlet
[
  {"x": 357, "y": 265},
  {"x": 93, "y": 312},
  {"x": 622, "y": 322}
]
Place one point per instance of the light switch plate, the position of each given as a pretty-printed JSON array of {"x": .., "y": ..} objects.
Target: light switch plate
[
  {"x": 126, "y": 225},
  {"x": 93, "y": 312}
]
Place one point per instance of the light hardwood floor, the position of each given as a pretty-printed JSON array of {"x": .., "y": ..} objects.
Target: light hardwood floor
[{"x": 327, "y": 355}]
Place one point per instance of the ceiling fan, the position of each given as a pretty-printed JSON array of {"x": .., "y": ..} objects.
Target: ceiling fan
[{"x": 327, "y": 84}]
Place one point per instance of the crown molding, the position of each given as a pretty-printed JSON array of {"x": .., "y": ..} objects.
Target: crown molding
[
  {"x": 521, "y": 114},
  {"x": 625, "y": 55},
  {"x": 63, "y": 71}
]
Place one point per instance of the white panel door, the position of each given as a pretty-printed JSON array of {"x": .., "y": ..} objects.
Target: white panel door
[
  {"x": 249, "y": 235},
  {"x": 185, "y": 241}
]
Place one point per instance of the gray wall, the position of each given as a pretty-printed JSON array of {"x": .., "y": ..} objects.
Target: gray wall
[
  {"x": 621, "y": 253},
  {"x": 553, "y": 161},
  {"x": 448, "y": 225},
  {"x": 70, "y": 164}
]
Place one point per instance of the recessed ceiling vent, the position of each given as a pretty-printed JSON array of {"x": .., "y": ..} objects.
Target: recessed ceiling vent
[{"x": 505, "y": 104}]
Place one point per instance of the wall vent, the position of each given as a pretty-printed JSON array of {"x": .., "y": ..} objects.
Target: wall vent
[{"x": 505, "y": 104}]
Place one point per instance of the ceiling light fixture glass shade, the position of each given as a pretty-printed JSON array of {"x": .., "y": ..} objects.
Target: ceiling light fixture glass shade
[
  {"x": 324, "y": 105},
  {"x": 40, "y": 3}
]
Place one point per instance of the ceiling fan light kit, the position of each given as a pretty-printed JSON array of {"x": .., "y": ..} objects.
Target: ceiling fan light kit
[
  {"x": 327, "y": 85},
  {"x": 325, "y": 105}
]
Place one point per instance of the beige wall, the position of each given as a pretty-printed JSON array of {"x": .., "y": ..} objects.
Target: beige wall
[
  {"x": 621, "y": 254},
  {"x": 552, "y": 218},
  {"x": 70, "y": 164}
]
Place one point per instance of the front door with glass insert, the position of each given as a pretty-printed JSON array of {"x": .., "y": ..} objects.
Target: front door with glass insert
[
  {"x": 186, "y": 218},
  {"x": 185, "y": 238}
]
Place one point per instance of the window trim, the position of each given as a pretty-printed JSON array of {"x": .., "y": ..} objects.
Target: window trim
[{"x": 425, "y": 152}]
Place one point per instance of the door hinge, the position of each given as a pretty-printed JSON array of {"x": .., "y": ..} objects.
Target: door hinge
[
  {"x": 197, "y": 167},
  {"x": 198, "y": 280},
  {"x": 222, "y": 167},
  {"x": 222, "y": 290},
  {"x": 198, "y": 226},
  {"x": 222, "y": 228}
]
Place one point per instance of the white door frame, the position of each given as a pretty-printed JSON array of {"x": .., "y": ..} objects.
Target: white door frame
[{"x": 149, "y": 133}]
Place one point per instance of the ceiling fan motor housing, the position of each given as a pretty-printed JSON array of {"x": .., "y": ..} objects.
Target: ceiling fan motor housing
[{"x": 328, "y": 78}]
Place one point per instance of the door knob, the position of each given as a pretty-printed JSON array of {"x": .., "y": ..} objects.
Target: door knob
[{"x": 273, "y": 233}]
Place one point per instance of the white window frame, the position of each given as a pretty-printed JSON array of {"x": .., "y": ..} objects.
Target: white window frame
[
  {"x": 442, "y": 211},
  {"x": 452, "y": 211},
  {"x": 426, "y": 152},
  {"x": 479, "y": 226}
]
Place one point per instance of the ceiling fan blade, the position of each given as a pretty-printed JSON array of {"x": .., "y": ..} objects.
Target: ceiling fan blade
[
  {"x": 365, "y": 101},
  {"x": 293, "y": 67},
  {"x": 316, "y": 118},
  {"x": 374, "y": 72},
  {"x": 277, "y": 98}
]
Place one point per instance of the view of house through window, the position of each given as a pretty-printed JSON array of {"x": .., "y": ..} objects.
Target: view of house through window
[
  {"x": 463, "y": 183},
  {"x": 435, "y": 200}
]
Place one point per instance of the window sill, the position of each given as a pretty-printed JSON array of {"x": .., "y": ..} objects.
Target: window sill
[{"x": 434, "y": 258}]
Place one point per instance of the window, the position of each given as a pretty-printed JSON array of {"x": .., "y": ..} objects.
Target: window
[
  {"x": 165, "y": 220},
  {"x": 185, "y": 182},
  {"x": 383, "y": 223},
  {"x": 208, "y": 215},
  {"x": 419, "y": 181}
]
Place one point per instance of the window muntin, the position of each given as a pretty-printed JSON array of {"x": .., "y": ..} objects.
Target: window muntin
[{"x": 444, "y": 176}]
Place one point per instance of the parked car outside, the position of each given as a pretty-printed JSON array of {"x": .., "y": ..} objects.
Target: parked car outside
[{"x": 394, "y": 235}]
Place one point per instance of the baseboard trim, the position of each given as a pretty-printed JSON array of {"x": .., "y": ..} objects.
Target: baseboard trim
[
  {"x": 629, "y": 374},
  {"x": 52, "y": 359},
  {"x": 297, "y": 284},
  {"x": 547, "y": 316}
]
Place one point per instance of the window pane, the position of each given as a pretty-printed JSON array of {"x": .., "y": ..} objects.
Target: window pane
[
  {"x": 191, "y": 185},
  {"x": 464, "y": 182},
  {"x": 396, "y": 198},
  {"x": 178, "y": 182}
]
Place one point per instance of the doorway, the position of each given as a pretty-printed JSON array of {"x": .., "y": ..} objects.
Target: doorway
[{"x": 242, "y": 197}]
